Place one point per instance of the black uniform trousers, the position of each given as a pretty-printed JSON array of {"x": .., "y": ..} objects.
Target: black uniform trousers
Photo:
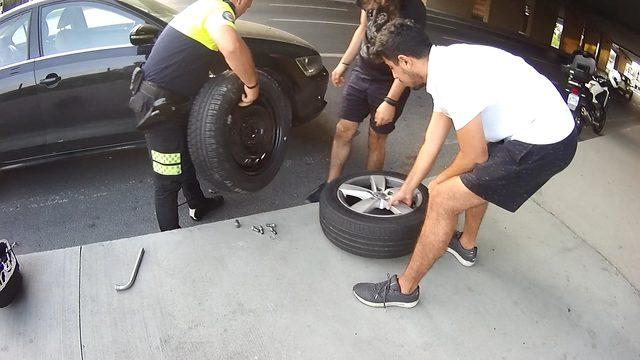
[{"x": 172, "y": 165}]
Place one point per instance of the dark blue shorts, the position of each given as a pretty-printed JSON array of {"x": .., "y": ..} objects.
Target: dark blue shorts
[
  {"x": 363, "y": 95},
  {"x": 516, "y": 170}
]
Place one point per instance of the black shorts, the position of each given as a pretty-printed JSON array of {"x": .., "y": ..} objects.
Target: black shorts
[
  {"x": 516, "y": 170},
  {"x": 362, "y": 96}
]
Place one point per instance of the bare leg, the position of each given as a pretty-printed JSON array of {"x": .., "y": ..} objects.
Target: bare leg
[
  {"x": 446, "y": 202},
  {"x": 376, "y": 155},
  {"x": 345, "y": 131},
  {"x": 472, "y": 221}
]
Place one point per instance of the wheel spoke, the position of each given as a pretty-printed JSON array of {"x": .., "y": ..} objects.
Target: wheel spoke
[
  {"x": 378, "y": 183},
  {"x": 356, "y": 191},
  {"x": 401, "y": 209},
  {"x": 366, "y": 205}
]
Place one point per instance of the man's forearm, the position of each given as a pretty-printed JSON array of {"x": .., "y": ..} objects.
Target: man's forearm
[
  {"x": 473, "y": 150},
  {"x": 424, "y": 162},
  {"x": 396, "y": 90},
  {"x": 241, "y": 63},
  {"x": 354, "y": 46},
  {"x": 437, "y": 131},
  {"x": 460, "y": 165}
]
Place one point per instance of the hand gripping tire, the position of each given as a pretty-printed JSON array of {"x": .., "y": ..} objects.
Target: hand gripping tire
[
  {"x": 374, "y": 232},
  {"x": 238, "y": 149}
]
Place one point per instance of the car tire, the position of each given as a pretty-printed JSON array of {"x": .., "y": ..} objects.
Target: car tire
[
  {"x": 372, "y": 235},
  {"x": 238, "y": 149}
]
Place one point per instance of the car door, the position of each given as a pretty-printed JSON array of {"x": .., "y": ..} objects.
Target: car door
[
  {"x": 84, "y": 74},
  {"x": 22, "y": 132}
]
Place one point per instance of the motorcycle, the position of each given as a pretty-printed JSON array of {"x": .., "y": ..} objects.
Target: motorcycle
[
  {"x": 621, "y": 83},
  {"x": 588, "y": 99}
]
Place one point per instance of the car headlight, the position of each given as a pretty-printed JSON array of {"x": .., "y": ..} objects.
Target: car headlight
[{"x": 310, "y": 65}]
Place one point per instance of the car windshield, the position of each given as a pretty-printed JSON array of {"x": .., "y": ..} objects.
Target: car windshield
[{"x": 154, "y": 8}]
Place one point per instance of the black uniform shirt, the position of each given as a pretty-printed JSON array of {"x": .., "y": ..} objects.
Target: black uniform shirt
[{"x": 185, "y": 51}]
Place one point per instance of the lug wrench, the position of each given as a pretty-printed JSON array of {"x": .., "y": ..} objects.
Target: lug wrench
[{"x": 134, "y": 274}]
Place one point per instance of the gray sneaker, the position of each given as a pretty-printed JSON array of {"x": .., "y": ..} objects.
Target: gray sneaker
[
  {"x": 466, "y": 257},
  {"x": 386, "y": 293}
]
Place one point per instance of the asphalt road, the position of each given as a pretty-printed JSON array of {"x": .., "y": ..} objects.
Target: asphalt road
[{"x": 110, "y": 196}]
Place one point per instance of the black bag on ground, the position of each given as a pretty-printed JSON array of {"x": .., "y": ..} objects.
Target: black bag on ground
[{"x": 10, "y": 277}]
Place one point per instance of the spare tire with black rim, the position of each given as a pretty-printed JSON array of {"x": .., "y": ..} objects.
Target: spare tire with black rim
[
  {"x": 355, "y": 218},
  {"x": 234, "y": 148}
]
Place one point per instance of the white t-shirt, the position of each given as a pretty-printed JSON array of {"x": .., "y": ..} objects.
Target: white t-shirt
[{"x": 513, "y": 99}]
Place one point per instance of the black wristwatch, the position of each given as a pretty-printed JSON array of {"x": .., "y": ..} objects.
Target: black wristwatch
[
  {"x": 390, "y": 101},
  {"x": 251, "y": 87}
]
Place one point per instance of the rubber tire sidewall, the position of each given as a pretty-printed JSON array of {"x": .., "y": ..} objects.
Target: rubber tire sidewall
[
  {"x": 368, "y": 236},
  {"x": 209, "y": 140}
]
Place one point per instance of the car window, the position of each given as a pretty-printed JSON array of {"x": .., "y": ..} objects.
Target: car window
[
  {"x": 84, "y": 25},
  {"x": 14, "y": 46}
]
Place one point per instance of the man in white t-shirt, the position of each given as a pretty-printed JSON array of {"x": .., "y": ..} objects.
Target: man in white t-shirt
[{"x": 514, "y": 131}]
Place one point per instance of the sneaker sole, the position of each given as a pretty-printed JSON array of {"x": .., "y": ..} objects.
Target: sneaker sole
[
  {"x": 378, "y": 305},
  {"x": 460, "y": 259}
]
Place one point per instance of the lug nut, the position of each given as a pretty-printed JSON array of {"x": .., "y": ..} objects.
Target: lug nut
[{"x": 259, "y": 229}]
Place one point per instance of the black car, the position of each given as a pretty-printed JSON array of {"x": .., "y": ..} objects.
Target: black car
[{"x": 65, "y": 69}]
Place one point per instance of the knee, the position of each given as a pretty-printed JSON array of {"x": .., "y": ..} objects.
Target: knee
[
  {"x": 345, "y": 130},
  {"x": 440, "y": 200}
]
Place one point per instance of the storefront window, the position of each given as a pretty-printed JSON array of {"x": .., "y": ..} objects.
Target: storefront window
[{"x": 557, "y": 33}]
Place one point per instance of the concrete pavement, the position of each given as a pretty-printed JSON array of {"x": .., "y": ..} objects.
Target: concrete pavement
[
  {"x": 598, "y": 198},
  {"x": 550, "y": 284}
]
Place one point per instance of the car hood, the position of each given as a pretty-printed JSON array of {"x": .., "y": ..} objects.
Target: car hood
[{"x": 249, "y": 29}]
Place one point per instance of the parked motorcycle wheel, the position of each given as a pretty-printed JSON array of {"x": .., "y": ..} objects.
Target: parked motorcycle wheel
[
  {"x": 239, "y": 149},
  {"x": 353, "y": 216},
  {"x": 599, "y": 120}
]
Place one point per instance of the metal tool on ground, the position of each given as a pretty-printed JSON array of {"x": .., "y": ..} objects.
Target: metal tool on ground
[
  {"x": 237, "y": 224},
  {"x": 259, "y": 229},
  {"x": 134, "y": 274},
  {"x": 272, "y": 228}
]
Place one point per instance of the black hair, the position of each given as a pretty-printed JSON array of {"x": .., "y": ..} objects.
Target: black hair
[
  {"x": 401, "y": 37},
  {"x": 392, "y": 7}
]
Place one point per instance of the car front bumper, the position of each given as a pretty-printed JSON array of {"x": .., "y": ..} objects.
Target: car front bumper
[{"x": 308, "y": 97}]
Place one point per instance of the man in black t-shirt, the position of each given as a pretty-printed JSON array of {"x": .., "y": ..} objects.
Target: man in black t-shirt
[{"x": 371, "y": 90}]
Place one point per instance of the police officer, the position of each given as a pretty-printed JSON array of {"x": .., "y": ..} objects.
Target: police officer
[{"x": 162, "y": 89}]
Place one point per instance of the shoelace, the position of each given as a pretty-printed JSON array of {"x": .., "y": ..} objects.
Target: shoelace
[{"x": 381, "y": 289}]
